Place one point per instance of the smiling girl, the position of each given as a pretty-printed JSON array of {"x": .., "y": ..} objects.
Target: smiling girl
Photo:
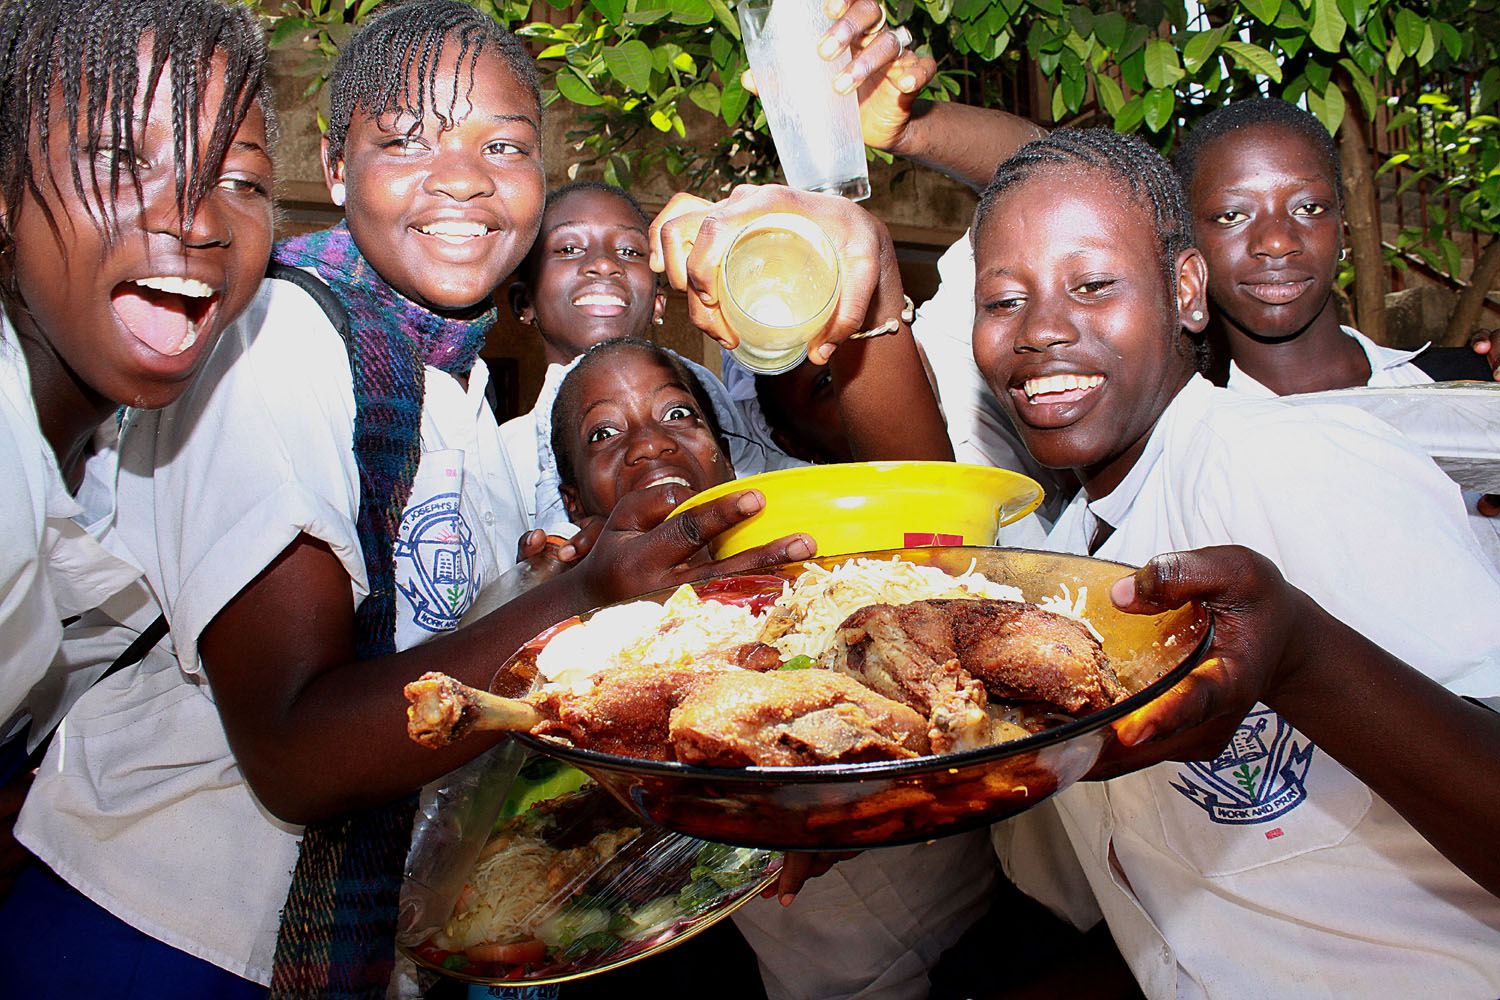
[
  {"x": 1089, "y": 297},
  {"x": 314, "y": 517},
  {"x": 136, "y": 181}
]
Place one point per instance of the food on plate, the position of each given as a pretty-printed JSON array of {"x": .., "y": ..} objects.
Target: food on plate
[
  {"x": 869, "y": 660},
  {"x": 575, "y": 881}
]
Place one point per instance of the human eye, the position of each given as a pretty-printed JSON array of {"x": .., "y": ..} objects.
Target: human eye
[
  {"x": 568, "y": 249},
  {"x": 505, "y": 147},
  {"x": 1311, "y": 209},
  {"x": 1095, "y": 286},
  {"x": 112, "y": 152},
  {"x": 1004, "y": 302},
  {"x": 631, "y": 253},
  {"x": 680, "y": 411},
  {"x": 1228, "y": 217},
  {"x": 601, "y": 433},
  {"x": 243, "y": 183}
]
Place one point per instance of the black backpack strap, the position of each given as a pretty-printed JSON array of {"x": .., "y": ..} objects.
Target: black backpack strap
[
  {"x": 320, "y": 292},
  {"x": 1453, "y": 364}
]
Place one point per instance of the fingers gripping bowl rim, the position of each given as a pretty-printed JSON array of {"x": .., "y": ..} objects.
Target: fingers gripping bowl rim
[
  {"x": 885, "y": 803},
  {"x": 863, "y": 506}
]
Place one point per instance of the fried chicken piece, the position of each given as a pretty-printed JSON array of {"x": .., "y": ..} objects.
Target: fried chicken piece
[
  {"x": 625, "y": 711},
  {"x": 905, "y": 652},
  {"x": 792, "y": 717},
  {"x": 1023, "y": 653}
]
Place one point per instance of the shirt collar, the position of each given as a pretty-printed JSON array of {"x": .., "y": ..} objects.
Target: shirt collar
[{"x": 1188, "y": 405}]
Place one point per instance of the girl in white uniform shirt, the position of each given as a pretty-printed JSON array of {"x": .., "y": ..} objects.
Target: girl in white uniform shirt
[
  {"x": 134, "y": 235},
  {"x": 1269, "y": 869},
  {"x": 316, "y": 518}
]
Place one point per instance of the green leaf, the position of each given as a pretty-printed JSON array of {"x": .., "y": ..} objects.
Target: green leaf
[
  {"x": 1264, "y": 11},
  {"x": 1110, "y": 29},
  {"x": 706, "y": 96},
  {"x": 1451, "y": 40},
  {"x": 1110, "y": 94},
  {"x": 576, "y": 89},
  {"x": 1328, "y": 25},
  {"x": 1162, "y": 67},
  {"x": 1363, "y": 86},
  {"x": 733, "y": 99},
  {"x": 1133, "y": 71},
  {"x": 1428, "y": 47},
  {"x": 645, "y": 16},
  {"x": 630, "y": 63},
  {"x": 1318, "y": 75},
  {"x": 1394, "y": 55},
  {"x": 610, "y": 10},
  {"x": 725, "y": 17},
  {"x": 1059, "y": 104},
  {"x": 1130, "y": 115},
  {"x": 690, "y": 11},
  {"x": 292, "y": 27},
  {"x": 1253, "y": 58},
  {"x": 1200, "y": 48},
  {"x": 1409, "y": 30},
  {"x": 1328, "y": 107},
  {"x": 1159, "y": 107}
]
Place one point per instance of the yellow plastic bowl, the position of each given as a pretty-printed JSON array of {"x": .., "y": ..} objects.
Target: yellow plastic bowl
[{"x": 862, "y": 506}]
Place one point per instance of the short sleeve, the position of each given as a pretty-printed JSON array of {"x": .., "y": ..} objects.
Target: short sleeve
[{"x": 258, "y": 451}]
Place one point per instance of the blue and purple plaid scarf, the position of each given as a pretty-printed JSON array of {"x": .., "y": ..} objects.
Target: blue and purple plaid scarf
[{"x": 338, "y": 928}]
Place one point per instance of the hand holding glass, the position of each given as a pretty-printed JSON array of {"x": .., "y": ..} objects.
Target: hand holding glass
[
  {"x": 778, "y": 286},
  {"x": 815, "y": 128}
]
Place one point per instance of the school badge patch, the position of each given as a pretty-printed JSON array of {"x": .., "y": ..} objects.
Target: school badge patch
[
  {"x": 1261, "y": 774},
  {"x": 435, "y": 556}
]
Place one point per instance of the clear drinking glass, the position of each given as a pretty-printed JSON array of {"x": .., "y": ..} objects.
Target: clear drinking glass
[
  {"x": 816, "y": 129},
  {"x": 778, "y": 285}
]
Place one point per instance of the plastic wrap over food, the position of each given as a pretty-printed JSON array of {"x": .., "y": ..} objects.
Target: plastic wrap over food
[
  {"x": 522, "y": 870},
  {"x": 1457, "y": 423}
]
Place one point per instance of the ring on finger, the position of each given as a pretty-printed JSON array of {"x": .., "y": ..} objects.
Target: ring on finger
[
  {"x": 876, "y": 28},
  {"x": 903, "y": 39}
]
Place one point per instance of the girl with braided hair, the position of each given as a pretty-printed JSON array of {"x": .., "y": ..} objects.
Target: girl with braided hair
[
  {"x": 1090, "y": 301},
  {"x": 135, "y": 181},
  {"x": 322, "y": 508}
]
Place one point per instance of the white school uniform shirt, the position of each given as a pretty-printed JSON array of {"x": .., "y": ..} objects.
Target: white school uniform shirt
[
  {"x": 1392, "y": 367},
  {"x": 140, "y": 804},
  {"x": 56, "y": 561},
  {"x": 1272, "y": 871},
  {"x": 528, "y": 443}
]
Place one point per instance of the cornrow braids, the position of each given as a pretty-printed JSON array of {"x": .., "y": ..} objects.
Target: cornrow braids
[
  {"x": 565, "y": 406},
  {"x": 373, "y": 73},
  {"x": 1150, "y": 179},
  {"x": 1241, "y": 115},
  {"x": 529, "y": 265},
  {"x": 59, "y": 55}
]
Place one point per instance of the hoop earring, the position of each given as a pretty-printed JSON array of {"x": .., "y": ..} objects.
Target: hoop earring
[{"x": 1344, "y": 254}]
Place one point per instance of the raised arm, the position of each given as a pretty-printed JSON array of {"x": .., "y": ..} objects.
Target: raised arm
[{"x": 1432, "y": 755}]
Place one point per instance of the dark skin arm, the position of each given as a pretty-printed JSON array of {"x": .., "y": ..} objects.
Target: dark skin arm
[
  {"x": 1434, "y": 757},
  {"x": 318, "y": 733}
]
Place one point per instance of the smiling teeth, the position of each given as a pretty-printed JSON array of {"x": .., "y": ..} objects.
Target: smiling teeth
[
  {"x": 670, "y": 479},
  {"x": 455, "y": 229},
  {"x": 598, "y": 299},
  {"x": 1035, "y": 387},
  {"x": 190, "y": 287}
]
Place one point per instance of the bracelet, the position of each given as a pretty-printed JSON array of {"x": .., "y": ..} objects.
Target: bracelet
[{"x": 908, "y": 313}]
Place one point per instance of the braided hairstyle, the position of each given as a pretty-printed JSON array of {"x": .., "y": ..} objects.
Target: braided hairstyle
[
  {"x": 1250, "y": 113},
  {"x": 1144, "y": 173},
  {"x": 373, "y": 73},
  {"x": 57, "y": 55},
  {"x": 533, "y": 259},
  {"x": 565, "y": 406}
]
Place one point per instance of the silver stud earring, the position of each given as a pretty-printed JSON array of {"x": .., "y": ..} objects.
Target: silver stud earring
[
  {"x": 1197, "y": 315},
  {"x": 658, "y": 320},
  {"x": 714, "y": 457},
  {"x": 336, "y": 192}
]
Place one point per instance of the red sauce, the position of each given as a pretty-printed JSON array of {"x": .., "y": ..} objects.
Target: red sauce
[{"x": 753, "y": 592}]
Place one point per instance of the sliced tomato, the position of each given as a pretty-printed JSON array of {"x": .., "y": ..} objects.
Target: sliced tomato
[{"x": 514, "y": 953}]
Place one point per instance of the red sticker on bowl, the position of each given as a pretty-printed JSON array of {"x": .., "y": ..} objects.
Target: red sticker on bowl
[{"x": 915, "y": 539}]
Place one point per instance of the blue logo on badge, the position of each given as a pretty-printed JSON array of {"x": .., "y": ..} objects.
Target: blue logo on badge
[
  {"x": 435, "y": 555},
  {"x": 1258, "y": 777}
]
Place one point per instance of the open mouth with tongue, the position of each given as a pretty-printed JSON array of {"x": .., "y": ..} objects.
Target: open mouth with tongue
[{"x": 165, "y": 313}]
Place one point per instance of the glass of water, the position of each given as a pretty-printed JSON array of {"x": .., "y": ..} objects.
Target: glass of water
[
  {"x": 815, "y": 128},
  {"x": 778, "y": 285}
]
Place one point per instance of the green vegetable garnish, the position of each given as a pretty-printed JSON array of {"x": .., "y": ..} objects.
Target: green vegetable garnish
[
  {"x": 453, "y": 963},
  {"x": 799, "y": 662}
]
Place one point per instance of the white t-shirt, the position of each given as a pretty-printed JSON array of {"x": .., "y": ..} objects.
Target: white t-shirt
[
  {"x": 1272, "y": 871},
  {"x": 140, "y": 804},
  {"x": 55, "y": 559},
  {"x": 528, "y": 443}
]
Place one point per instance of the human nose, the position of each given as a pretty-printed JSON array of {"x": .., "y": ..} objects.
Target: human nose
[
  {"x": 460, "y": 175},
  {"x": 1274, "y": 235},
  {"x": 647, "y": 443},
  {"x": 192, "y": 225},
  {"x": 1045, "y": 324},
  {"x": 601, "y": 261}
]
